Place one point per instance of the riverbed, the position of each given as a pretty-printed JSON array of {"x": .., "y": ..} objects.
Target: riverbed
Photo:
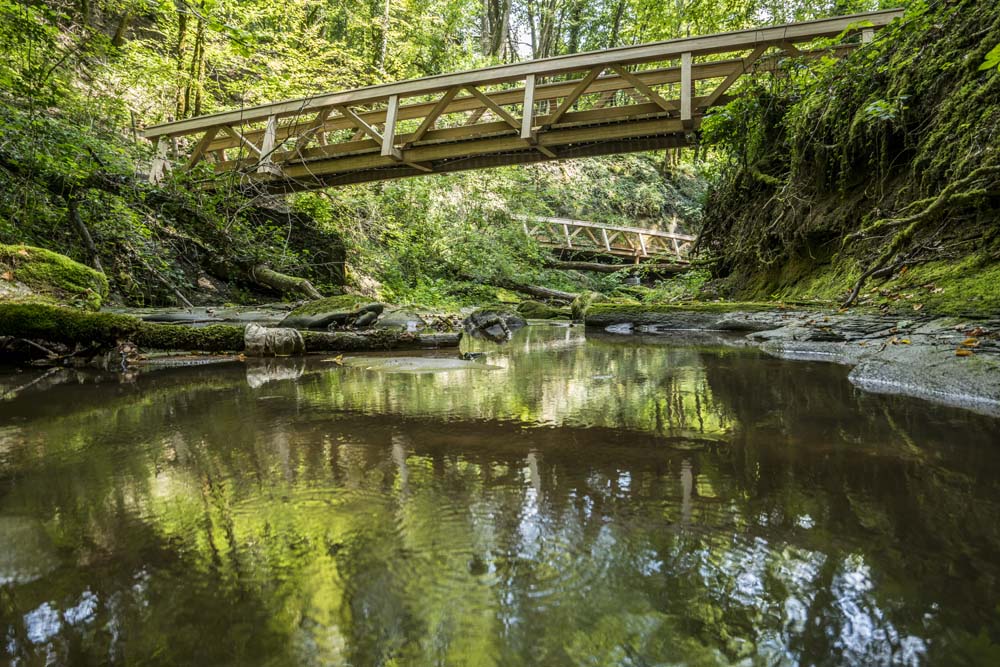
[{"x": 569, "y": 498}]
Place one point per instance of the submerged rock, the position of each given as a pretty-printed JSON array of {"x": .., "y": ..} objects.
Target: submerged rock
[
  {"x": 492, "y": 324},
  {"x": 27, "y": 553}
]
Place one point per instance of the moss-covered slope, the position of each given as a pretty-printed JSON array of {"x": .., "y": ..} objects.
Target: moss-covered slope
[{"x": 884, "y": 171}]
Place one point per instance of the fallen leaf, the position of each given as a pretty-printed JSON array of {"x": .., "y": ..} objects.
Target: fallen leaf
[
  {"x": 339, "y": 360},
  {"x": 904, "y": 341},
  {"x": 970, "y": 342},
  {"x": 904, "y": 270},
  {"x": 23, "y": 252},
  {"x": 963, "y": 352},
  {"x": 7, "y": 275},
  {"x": 918, "y": 306}
]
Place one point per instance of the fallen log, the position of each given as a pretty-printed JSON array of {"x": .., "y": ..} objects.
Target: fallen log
[
  {"x": 612, "y": 268},
  {"x": 537, "y": 291},
  {"x": 96, "y": 333}
]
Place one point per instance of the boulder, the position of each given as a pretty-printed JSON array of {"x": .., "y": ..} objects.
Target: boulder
[
  {"x": 493, "y": 324},
  {"x": 28, "y": 273},
  {"x": 536, "y": 310},
  {"x": 401, "y": 319},
  {"x": 265, "y": 342},
  {"x": 331, "y": 313}
]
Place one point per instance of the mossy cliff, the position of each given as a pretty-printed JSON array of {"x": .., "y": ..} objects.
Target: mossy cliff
[
  {"x": 878, "y": 183},
  {"x": 41, "y": 274}
]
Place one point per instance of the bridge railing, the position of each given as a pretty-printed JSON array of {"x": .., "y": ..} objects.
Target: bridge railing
[
  {"x": 579, "y": 235},
  {"x": 618, "y": 100}
]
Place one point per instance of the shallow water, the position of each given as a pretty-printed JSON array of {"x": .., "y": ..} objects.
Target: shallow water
[{"x": 613, "y": 500}]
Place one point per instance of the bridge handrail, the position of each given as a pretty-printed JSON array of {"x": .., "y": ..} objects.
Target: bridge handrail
[{"x": 627, "y": 55}]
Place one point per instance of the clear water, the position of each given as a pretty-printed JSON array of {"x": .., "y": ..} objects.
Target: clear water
[{"x": 598, "y": 501}]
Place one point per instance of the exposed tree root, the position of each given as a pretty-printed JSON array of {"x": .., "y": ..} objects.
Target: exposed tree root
[
  {"x": 952, "y": 195},
  {"x": 283, "y": 283}
]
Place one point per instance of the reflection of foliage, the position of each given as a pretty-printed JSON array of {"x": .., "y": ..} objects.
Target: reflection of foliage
[{"x": 748, "y": 507}]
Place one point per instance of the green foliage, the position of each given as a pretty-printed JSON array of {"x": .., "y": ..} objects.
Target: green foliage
[
  {"x": 682, "y": 287},
  {"x": 992, "y": 59}
]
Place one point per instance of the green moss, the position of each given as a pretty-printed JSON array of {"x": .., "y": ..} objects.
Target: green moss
[
  {"x": 53, "y": 276},
  {"x": 536, "y": 310},
  {"x": 42, "y": 321},
  {"x": 65, "y": 325},
  {"x": 581, "y": 304},
  {"x": 214, "y": 338},
  {"x": 342, "y": 302},
  {"x": 969, "y": 287}
]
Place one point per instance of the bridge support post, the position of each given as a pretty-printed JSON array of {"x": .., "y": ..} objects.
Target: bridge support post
[
  {"x": 160, "y": 164},
  {"x": 687, "y": 88}
]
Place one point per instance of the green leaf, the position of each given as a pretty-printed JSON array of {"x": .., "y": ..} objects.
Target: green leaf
[{"x": 992, "y": 59}]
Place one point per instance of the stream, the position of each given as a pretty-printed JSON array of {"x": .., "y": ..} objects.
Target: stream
[{"x": 568, "y": 499}]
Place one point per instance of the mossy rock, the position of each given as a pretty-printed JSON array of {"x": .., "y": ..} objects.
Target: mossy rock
[
  {"x": 52, "y": 277},
  {"x": 536, "y": 310},
  {"x": 333, "y": 310},
  {"x": 581, "y": 304}
]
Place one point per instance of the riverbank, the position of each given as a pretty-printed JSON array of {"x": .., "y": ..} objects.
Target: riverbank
[{"x": 949, "y": 360}]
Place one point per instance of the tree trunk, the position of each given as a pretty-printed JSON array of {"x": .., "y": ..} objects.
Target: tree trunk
[
  {"x": 283, "y": 283},
  {"x": 99, "y": 332},
  {"x": 73, "y": 207},
  {"x": 537, "y": 291}
]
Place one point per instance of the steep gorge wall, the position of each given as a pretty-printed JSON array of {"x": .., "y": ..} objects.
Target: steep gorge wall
[{"x": 884, "y": 171}]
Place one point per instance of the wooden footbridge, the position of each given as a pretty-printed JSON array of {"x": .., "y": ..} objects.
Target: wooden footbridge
[
  {"x": 619, "y": 100},
  {"x": 638, "y": 243}
]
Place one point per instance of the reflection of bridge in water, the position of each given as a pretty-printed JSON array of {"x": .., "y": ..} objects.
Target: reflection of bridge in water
[{"x": 619, "y": 100}]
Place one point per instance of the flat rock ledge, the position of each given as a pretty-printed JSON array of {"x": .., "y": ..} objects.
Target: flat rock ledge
[{"x": 952, "y": 361}]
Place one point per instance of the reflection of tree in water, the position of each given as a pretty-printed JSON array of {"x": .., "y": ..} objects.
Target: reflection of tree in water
[{"x": 295, "y": 522}]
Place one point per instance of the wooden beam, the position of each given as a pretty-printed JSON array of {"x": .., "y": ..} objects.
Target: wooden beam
[
  {"x": 389, "y": 134},
  {"x": 574, "y": 95},
  {"x": 528, "y": 107},
  {"x": 475, "y": 116},
  {"x": 494, "y": 107},
  {"x": 243, "y": 141},
  {"x": 158, "y": 170},
  {"x": 433, "y": 115},
  {"x": 360, "y": 124},
  {"x": 687, "y": 89},
  {"x": 267, "y": 145},
  {"x": 641, "y": 86},
  {"x": 202, "y": 146},
  {"x": 736, "y": 74}
]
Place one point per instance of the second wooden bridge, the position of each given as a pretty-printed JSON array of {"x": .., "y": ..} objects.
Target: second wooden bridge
[
  {"x": 637, "y": 243},
  {"x": 620, "y": 100}
]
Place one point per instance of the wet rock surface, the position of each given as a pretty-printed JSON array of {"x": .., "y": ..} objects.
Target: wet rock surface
[
  {"x": 948, "y": 360},
  {"x": 493, "y": 324}
]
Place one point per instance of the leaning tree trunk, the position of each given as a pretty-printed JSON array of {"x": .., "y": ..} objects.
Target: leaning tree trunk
[{"x": 283, "y": 283}]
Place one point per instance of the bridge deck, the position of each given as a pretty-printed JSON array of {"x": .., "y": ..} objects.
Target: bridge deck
[{"x": 568, "y": 106}]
